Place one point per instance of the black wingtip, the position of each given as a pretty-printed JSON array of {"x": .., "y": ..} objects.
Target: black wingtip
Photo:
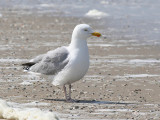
[{"x": 27, "y": 65}]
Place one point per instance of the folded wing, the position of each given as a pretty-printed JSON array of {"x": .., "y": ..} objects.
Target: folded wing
[{"x": 50, "y": 63}]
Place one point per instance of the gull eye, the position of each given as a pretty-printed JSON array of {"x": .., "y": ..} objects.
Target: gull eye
[{"x": 85, "y": 30}]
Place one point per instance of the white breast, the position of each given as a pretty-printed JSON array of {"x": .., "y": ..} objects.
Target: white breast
[
  {"x": 80, "y": 63},
  {"x": 77, "y": 67}
]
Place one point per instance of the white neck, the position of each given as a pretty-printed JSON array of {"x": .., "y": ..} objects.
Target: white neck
[{"x": 78, "y": 43}]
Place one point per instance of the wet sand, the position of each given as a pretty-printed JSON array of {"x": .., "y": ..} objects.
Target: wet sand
[{"x": 123, "y": 81}]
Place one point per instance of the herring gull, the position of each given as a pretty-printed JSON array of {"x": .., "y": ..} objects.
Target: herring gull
[{"x": 65, "y": 64}]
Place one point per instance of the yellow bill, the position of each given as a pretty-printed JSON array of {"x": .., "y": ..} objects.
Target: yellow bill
[{"x": 96, "y": 34}]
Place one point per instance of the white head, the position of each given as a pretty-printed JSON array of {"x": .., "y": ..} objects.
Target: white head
[{"x": 83, "y": 31}]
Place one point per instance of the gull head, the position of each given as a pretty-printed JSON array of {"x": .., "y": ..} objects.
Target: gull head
[{"x": 83, "y": 31}]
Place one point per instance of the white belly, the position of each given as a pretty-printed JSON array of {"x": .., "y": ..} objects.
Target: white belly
[
  {"x": 80, "y": 66},
  {"x": 76, "y": 68}
]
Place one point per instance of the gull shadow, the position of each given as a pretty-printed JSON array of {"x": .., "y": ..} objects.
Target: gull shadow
[{"x": 92, "y": 101}]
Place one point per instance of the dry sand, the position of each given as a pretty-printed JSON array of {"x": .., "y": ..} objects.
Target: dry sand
[{"x": 123, "y": 81}]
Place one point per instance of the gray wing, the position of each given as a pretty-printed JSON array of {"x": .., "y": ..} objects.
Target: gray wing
[
  {"x": 26, "y": 66},
  {"x": 52, "y": 62},
  {"x": 37, "y": 59}
]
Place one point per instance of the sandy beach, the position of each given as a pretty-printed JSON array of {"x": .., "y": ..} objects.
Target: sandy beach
[{"x": 123, "y": 81}]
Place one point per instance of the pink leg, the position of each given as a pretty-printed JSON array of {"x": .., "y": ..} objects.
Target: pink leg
[
  {"x": 68, "y": 96},
  {"x": 65, "y": 92},
  {"x": 70, "y": 99},
  {"x": 70, "y": 91}
]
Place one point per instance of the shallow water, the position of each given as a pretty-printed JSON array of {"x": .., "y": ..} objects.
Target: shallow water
[{"x": 136, "y": 21}]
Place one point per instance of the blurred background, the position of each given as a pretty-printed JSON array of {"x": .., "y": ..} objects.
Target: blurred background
[{"x": 139, "y": 17}]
